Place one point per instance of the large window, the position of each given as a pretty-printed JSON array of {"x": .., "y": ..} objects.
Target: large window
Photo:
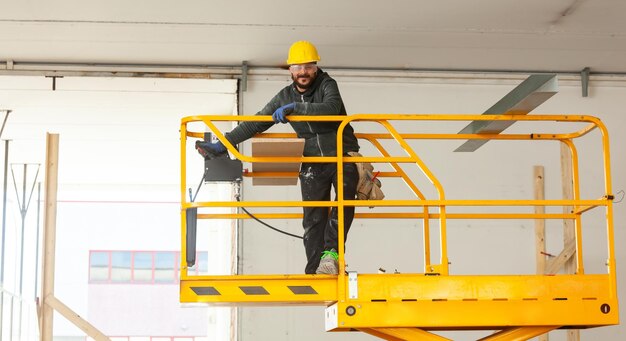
[
  {"x": 143, "y": 267},
  {"x": 99, "y": 266},
  {"x": 155, "y": 338},
  {"x": 120, "y": 267},
  {"x": 165, "y": 266},
  {"x": 140, "y": 267}
]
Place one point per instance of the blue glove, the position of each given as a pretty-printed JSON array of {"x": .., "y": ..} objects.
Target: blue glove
[
  {"x": 210, "y": 150},
  {"x": 280, "y": 115}
]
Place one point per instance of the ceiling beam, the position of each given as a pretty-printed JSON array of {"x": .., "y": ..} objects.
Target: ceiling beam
[{"x": 527, "y": 96}]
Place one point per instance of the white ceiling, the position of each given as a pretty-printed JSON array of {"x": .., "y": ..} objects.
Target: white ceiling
[{"x": 530, "y": 35}]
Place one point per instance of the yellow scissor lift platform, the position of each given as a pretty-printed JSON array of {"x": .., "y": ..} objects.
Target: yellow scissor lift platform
[{"x": 408, "y": 306}]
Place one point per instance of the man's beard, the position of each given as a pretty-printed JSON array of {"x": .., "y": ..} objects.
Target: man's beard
[{"x": 304, "y": 86}]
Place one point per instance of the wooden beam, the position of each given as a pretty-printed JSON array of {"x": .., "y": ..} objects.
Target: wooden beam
[
  {"x": 554, "y": 265},
  {"x": 78, "y": 321},
  {"x": 540, "y": 224},
  {"x": 49, "y": 234},
  {"x": 540, "y": 227}
]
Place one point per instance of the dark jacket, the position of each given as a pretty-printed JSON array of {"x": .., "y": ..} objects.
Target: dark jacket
[{"x": 322, "y": 98}]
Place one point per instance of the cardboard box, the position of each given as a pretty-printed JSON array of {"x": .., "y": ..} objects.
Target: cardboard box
[{"x": 277, "y": 147}]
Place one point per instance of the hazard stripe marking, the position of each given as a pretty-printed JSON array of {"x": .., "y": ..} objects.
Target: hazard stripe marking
[
  {"x": 254, "y": 290},
  {"x": 302, "y": 289},
  {"x": 205, "y": 291}
]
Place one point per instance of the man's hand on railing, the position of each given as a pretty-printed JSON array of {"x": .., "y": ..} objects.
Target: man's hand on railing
[{"x": 280, "y": 115}]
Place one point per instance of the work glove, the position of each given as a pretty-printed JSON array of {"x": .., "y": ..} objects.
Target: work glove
[
  {"x": 280, "y": 115},
  {"x": 210, "y": 150}
]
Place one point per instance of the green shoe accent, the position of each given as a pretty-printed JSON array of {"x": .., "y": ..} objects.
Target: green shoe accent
[
  {"x": 328, "y": 263},
  {"x": 330, "y": 254}
]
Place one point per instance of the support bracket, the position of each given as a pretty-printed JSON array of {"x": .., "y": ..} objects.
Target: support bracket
[
  {"x": 584, "y": 79},
  {"x": 353, "y": 287},
  {"x": 4, "y": 121},
  {"x": 244, "y": 75}
]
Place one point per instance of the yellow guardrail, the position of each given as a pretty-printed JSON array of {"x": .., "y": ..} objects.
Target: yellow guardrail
[
  {"x": 386, "y": 304},
  {"x": 387, "y": 121}
]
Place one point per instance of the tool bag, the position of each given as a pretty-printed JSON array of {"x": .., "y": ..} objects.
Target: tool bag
[{"x": 368, "y": 187}]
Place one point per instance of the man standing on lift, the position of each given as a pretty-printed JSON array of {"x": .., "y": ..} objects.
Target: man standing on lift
[{"x": 313, "y": 92}]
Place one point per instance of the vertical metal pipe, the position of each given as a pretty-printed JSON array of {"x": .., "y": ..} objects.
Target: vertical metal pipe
[
  {"x": 238, "y": 188},
  {"x": 4, "y": 207},
  {"x": 18, "y": 333},
  {"x": 1, "y": 311},
  {"x": 11, "y": 318},
  {"x": 243, "y": 87},
  {"x": 37, "y": 238},
  {"x": 23, "y": 214},
  {"x": 23, "y": 205},
  {"x": 4, "y": 221}
]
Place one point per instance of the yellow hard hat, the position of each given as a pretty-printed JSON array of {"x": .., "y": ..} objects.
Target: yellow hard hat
[{"x": 302, "y": 52}]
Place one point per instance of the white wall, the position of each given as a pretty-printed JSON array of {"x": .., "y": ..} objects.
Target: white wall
[{"x": 497, "y": 170}]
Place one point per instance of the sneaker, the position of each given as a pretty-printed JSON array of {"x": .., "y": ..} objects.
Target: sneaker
[{"x": 328, "y": 263}]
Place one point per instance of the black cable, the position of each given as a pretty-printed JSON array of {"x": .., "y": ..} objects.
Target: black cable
[
  {"x": 266, "y": 224},
  {"x": 193, "y": 198},
  {"x": 199, "y": 185}
]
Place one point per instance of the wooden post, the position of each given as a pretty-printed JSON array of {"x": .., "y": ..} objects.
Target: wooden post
[
  {"x": 49, "y": 235},
  {"x": 48, "y": 302},
  {"x": 569, "y": 232},
  {"x": 540, "y": 224},
  {"x": 540, "y": 227}
]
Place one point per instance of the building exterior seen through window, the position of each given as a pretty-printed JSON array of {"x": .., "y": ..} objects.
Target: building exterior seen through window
[
  {"x": 155, "y": 338},
  {"x": 140, "y": 267}
]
